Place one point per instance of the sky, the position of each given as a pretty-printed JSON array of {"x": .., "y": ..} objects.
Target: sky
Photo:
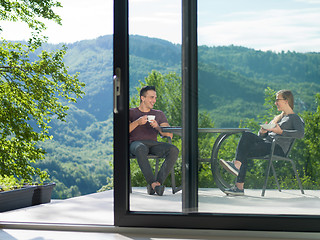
[{"x": 276, "y": 25}]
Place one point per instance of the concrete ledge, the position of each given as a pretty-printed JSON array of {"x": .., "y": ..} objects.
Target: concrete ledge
[{"x": 142, "y": 233}]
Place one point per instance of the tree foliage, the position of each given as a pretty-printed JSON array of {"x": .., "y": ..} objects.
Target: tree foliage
[
  {"x": 168, "y": 87},
  {"x": 306, "y": 151},
  {"x": 232, "y": 81},
  {"x": 33, "y": 90},
  {"x": 31, "y": 12}
]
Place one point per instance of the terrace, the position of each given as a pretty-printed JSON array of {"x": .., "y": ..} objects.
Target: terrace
[{"x": 91, "y": 216}]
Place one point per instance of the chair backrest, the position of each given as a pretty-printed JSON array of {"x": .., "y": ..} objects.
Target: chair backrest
[{"x": 290, "y": 147}]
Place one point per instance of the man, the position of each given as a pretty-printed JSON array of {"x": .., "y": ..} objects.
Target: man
[{"x": 143, "y": 140}]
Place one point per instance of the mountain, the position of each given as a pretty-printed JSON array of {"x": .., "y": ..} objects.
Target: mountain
[
  {"x": 232, "y": 80},
  {"x": 231, "y": 70}
]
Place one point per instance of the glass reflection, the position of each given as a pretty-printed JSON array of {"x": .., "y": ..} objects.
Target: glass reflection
[
  {"x": 247, "y": 52},
  {"x": 155, "y": 62}
]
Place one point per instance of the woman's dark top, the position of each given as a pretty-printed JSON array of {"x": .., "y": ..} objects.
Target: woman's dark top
[{"x": 292, "y": 126}]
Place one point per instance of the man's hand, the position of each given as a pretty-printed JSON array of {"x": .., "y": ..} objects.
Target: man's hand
[
  {"x": 155, "y": 124},
  {"x": 166, "y": 134},
  {"x": 142, "y": 120}
]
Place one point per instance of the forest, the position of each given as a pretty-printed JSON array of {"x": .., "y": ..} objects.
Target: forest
[
  {"x": 233, "y": 83},
  {"x": 305, "y": 152}
]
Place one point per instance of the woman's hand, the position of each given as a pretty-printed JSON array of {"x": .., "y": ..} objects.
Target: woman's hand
[
  {"x": 263, "y": 131},
  {"x": 277, "y": 129}
]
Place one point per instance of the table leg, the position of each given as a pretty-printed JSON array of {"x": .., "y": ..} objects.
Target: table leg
[{"x": 221, "y": 183}]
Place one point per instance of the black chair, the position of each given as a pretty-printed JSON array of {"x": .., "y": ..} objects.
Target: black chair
[
  {"x": 272, "y": 157},
  {"x": 175, "y": 189}
]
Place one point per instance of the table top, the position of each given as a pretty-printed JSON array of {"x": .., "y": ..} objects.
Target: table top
[{"x": 178, "y": 130}]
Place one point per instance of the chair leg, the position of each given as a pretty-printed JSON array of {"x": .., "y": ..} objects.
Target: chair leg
[
  {"x": 175, "y": 189},
  {"x": 297, "y": 176},
  {"x": 173, "y": 178},
  {"x": 156, "y": 170},
  {"x": 130, "y": 187},
  {"x": 173, "y": 181},
  {"x": 275, "y": 177},
  {"x": 266, "y": 179}
]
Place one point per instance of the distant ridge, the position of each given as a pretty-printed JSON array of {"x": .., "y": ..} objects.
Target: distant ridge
[{"x": 232, "y": 80}]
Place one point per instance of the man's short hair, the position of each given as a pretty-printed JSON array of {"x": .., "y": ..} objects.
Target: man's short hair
[{"x": 144, "y": 90}]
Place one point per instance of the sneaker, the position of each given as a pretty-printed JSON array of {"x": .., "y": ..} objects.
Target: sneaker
[
  {"x": 230, "y": 167},
  {"x": 150, "y": 190},
  {"x": 234, "y": 191}
]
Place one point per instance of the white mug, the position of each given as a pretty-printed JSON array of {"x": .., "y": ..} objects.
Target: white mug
[{"x": 151, "y": 117}]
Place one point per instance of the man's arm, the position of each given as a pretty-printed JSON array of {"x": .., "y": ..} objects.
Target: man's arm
[
  {"x": 156, "y": 126},
  {"x": 166, "y": 134},
  {"x": 140, "y": 121}
]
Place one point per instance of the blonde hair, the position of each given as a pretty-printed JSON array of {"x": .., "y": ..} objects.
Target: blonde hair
[{"x": 287, "y": 95}]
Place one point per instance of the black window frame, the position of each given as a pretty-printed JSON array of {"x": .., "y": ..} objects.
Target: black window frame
[{"x": 123, "y": 217}]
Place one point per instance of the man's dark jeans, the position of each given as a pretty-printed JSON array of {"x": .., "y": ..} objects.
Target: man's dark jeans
[{"x": 141, "y": 149}]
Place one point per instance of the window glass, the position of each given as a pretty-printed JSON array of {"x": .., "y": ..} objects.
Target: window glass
[
  {"x": 155, "y": 60},
  {"x": 247, "y": 51},
  {"x": 207, "y": 180}
]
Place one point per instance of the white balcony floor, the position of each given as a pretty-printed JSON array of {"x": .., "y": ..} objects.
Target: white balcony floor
[{"x": 97, "y": 210}]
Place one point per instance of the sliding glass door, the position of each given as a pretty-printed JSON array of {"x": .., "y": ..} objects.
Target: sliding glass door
[{"x": 218, "y": 91}]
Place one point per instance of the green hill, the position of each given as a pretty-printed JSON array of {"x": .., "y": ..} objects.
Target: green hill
[{"x": 231, "y": 88}]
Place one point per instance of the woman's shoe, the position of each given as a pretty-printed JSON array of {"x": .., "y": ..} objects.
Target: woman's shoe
[
  {"x": 159, "y": 189},
  {"x": 230, "y": 167},
  {"x": 235, "y": 191}
]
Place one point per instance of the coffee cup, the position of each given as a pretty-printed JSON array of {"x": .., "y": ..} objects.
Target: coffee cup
[{"x": 151, "y": 118}]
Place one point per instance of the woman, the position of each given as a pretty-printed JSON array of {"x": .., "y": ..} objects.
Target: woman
[{"x": 287, "y": 124}]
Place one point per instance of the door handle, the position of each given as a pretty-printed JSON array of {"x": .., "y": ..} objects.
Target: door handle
[{"x": 116, "y": 89}]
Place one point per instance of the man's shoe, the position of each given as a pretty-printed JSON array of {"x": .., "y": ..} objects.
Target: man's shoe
[
  {"x": 159, "y": 189},
  {"x": 235, "y": 191},
  {"x": 150, "y": 190},
  {"x": 230, "y": 167}
]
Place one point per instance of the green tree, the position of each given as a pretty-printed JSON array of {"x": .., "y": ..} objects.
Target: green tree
[
  {"x": 307, "y": 150},
  {"x": 168, "y": 87},
  {"x": 33, "y": 89},
  {"x": 31, "y": 12}
]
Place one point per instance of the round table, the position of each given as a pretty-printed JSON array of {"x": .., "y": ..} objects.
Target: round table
[{"x": 224, "y": 133}]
